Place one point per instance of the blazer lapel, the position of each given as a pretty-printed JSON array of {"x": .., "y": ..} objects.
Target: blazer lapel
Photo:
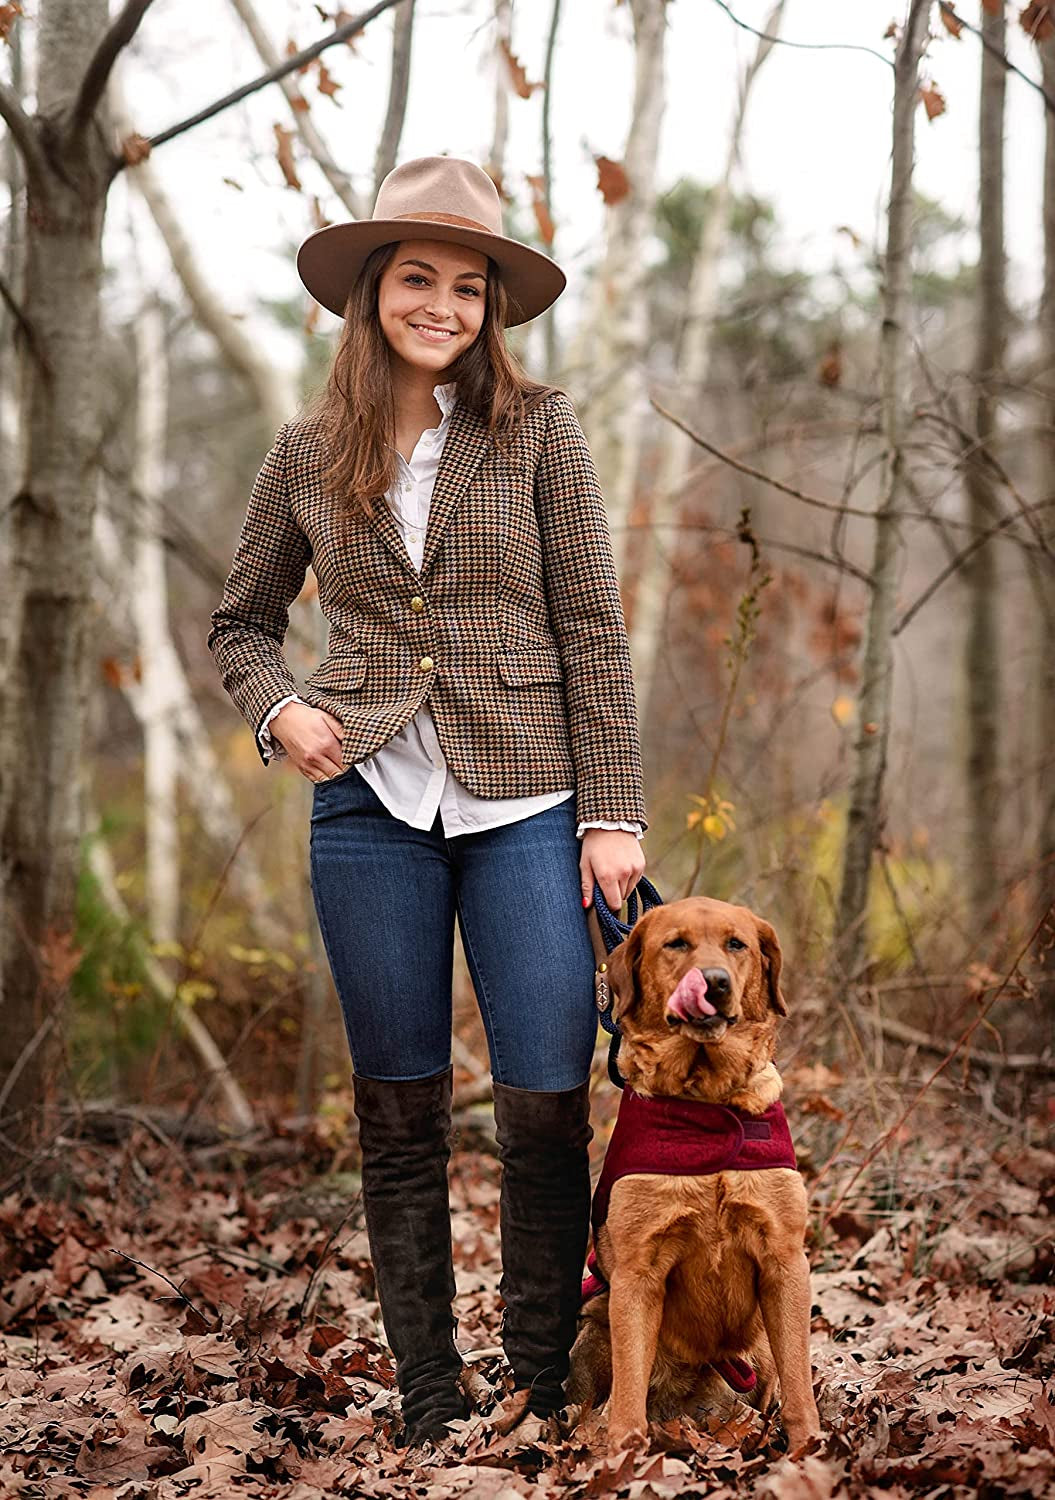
[
  {"x": 387, "y": 528},
  {"x": 463, "y": 452}
]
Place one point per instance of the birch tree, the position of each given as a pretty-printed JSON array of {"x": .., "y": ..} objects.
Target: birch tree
[
  {"x": 617, "y": 328},
  {"x": 398, "y": 92},
  {"x": 676, "y": 448},
  {"x": 864, "y": 813}
]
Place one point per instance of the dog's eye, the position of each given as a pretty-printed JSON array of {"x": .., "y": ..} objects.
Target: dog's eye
[
  {"x": 735, "y": 942},
  {"x": 678, "y": 942}
]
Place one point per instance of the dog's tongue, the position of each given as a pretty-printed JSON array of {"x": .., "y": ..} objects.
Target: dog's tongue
[{"x": 689, "y": 1001}]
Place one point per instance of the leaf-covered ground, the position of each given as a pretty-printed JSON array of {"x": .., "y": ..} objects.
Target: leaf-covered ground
[{"x": 194, "y": 1323}]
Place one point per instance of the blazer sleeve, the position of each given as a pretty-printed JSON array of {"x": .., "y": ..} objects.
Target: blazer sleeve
[
  {"x": 586, "y": 614},
  {"x": 267, "y": 574}
]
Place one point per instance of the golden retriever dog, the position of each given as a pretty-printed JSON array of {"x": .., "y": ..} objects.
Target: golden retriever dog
[{"x": 703, "y": 1269}]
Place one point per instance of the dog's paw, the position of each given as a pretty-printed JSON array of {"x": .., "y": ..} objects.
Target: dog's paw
[
  {"x": 627, "y": 1440},
  {"x": 802, "y": 1440}
]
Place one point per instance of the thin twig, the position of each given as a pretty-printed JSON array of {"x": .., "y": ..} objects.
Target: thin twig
[
  {"x": 804, "y": 46},
  {"x": 946, "y": 9},
  {"x": 161, "y": 1276},
  {"x": 838, "y": 508},
  {"x": 1016, "y": 1062},
  {"x": 890, "y": 1134}
]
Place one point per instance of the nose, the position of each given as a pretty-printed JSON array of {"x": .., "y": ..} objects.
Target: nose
[
  {"x": 439, "y": 308},
  {"x": 719, "y": 984}
]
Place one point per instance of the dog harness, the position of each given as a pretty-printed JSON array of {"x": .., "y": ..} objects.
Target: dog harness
[{"x": 687, "y": 1138}]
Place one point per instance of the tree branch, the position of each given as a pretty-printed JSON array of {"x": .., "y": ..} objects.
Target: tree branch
[
  {"x": 806, "y": 46},
  {"x": 25, "y": 134},
  {"x": 838, "y": 508},
  {"x": 957, "y": 561},
  {"x": 1001, "y": 57},
  {"x": 341, "y": 34},
  {"x": 120, "y": 33}
]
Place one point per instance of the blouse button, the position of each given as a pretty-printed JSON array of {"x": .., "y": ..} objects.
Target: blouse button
[
  {"x": 426, "y": 663},
  {"x": 417, "y": 604}
]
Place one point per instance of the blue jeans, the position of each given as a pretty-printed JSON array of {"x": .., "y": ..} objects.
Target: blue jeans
[{"x": 386, "y": 896}]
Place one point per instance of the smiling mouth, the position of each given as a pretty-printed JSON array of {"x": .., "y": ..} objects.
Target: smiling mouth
[{"x": 433, "y": 335}]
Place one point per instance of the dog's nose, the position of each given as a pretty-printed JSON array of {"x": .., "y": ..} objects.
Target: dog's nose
[{"x": 719, "y": 985}]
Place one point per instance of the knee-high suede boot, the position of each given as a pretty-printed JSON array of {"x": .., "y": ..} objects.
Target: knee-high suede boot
[
  {"x": 543, "y": 1142},
  {"x": 404, "y": 1135}
]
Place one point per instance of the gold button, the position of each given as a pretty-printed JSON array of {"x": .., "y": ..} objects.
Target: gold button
[
  {"x": 417, "y": 603},
  {"x": 425, "y": 663}
]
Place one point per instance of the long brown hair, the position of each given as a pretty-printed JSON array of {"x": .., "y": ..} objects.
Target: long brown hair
[{"x": 356, "y": 409}]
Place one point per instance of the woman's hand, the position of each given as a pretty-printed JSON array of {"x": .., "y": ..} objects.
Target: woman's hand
[
  {"x": 613, "y": 858},
  {"x": 312, "y": 737}
]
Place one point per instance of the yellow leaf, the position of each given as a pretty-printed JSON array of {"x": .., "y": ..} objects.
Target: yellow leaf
[
  {"x": 843, "y": 710},
  {"x": 192, "y": 990},
  {"x": 167, "y": 949},
  {"x": 248, "y": 955}
]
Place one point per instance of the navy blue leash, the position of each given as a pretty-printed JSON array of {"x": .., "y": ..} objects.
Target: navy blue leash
[{"x": 613, "y": 931}]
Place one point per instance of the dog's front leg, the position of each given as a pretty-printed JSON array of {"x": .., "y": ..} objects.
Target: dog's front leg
[
  {"x": 784, "y": 1295},
  {"x": 635, "y": 1312}
]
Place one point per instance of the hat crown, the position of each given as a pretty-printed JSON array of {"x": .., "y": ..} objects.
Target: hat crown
[{"x": 444, "y": 188}]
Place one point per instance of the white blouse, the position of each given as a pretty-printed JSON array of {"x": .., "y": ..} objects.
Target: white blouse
[{"x": 410, "y": 773}]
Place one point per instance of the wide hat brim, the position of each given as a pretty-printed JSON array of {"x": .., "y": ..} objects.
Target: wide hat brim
[{"x": 330, "y": 259}]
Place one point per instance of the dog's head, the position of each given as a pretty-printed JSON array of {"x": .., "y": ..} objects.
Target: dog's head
[{"x": 696, "y": 988}]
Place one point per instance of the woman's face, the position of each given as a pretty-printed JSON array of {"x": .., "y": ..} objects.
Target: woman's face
[{"x": 431, "y": 300}]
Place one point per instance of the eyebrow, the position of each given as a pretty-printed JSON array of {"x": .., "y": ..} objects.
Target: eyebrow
[{"x": 461, "y": 276}]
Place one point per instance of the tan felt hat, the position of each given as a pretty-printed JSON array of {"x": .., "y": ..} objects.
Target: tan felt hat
[{"x": 435, "y": 198}]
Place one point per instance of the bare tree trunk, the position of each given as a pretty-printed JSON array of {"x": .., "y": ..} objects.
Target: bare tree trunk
[
  {"x": 864, "y": 814},
  {"x": 272, "y": 386},
  {"x": 45, "y": 539},
  {"x": 305, "y": 125},
  {"x": 205, "y": 783},
  {"x": 617, "y": 329},
  {"x": 549, "y": 317},
  {"x": 676, "y": 447},
  {"x": 398, "y": 89},
  {"x": 14, "y": 177},
  {"x": 1043, "y": 577},
  {"x": 149, "y": 599},
  {"x": 984, "y": 718}
]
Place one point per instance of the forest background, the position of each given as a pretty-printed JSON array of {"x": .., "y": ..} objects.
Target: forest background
[{"x": 810, "y": 333}]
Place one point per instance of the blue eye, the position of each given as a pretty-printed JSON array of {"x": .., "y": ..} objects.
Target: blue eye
[{"x": 417, "y": 276}]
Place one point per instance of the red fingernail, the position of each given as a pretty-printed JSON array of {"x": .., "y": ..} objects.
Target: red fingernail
[{"x": 586, "y": 901}]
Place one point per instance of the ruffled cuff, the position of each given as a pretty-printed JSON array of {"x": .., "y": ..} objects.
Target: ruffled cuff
[{"x": 269, "y": 746}]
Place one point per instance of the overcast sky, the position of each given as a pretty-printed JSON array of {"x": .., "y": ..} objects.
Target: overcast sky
[{"x": 817, "y": 142}]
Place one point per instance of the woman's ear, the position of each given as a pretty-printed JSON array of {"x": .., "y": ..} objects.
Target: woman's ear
[
  {"x": 622, "y": 973},
  {"x": 772, "y": 959}
]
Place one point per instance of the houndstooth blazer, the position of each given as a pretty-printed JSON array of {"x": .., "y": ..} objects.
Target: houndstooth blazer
[{"x": 513, "y": 629}]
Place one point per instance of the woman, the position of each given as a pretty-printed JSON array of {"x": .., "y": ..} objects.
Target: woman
[{"x": 474, "y": 719}]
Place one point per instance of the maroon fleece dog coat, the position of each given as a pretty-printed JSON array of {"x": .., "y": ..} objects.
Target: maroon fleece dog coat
[{"x": 687, "y": 1138}]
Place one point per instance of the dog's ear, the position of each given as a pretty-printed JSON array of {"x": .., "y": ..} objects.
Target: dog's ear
[
  {"x": 772, "y": 959},
  {"x": 623, "y": 963}
]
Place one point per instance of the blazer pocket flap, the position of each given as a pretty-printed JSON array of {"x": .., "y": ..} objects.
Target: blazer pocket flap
[
  {"x": 522, "y": 666},
  {"x": 343, "y": 671}
]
